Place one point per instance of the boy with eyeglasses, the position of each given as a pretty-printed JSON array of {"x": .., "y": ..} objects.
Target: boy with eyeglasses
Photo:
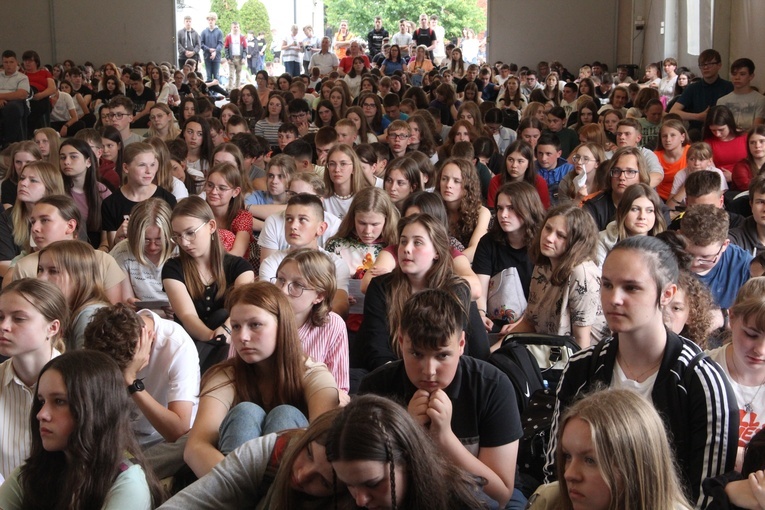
[
  {"x": 698, "y": 97},
  {"x": 303, "y": 226},
  {"x": 721, "y": 266},
  {"x": 120, "y": 116},
  {"x": 398, "y": 134}
]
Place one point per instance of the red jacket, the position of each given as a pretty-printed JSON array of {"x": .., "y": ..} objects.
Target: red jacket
[{"x": 242, "y": 46}]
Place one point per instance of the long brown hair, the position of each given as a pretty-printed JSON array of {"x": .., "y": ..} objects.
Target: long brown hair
[
  {"x": 196, "y": 207},
  {"x": 581, "y": 242},
  {"x": 527, "y": 206},
  {"x": 370, "y": 199},
  {"x": 632, "y": 193},
  {"x": 470, "y": 204},
  {"x": 440, "y": 275},
  {"x": 287, "y": 361}
]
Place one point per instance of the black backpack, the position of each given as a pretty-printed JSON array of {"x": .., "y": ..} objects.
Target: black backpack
[
  {"x": 520, "y": 367},
  {"x": 536, "y": 360}
]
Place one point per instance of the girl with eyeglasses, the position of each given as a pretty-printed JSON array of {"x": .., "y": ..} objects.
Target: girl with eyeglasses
[
  {"x": 625, "y": 168},
  {"x": 587, "y": 158},
  {"x": 307, "y": 277},
  {"x": 198, "y": 279},
  {"x": 269, "y": 385}
]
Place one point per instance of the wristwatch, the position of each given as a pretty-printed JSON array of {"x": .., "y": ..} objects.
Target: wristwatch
[{"x": 136, "y": 386}]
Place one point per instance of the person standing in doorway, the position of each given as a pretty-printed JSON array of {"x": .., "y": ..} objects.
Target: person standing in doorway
[
  {"x": 211, "y": 41},
  {"x": 236, "y": 49},
  {"x": 188, "y": 43}
]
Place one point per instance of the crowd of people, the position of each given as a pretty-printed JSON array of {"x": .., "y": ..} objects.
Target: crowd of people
[{"x": 285, "y": 294}]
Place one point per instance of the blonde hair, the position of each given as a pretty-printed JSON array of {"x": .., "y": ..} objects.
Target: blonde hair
[
  {"x": 172, "y": 130},
  {"x": 54, "y": 140},
  {"x": 750, "y": 302},
  {"x": 164, "y": 176},
  {"x": 371, "y": 199},
  {"x": 54, "y": 185},
  {"x": 319, "y": 271},
  {"x": 358, "y": 181},
  {"x": 48, "y": 300},
  {"x": 287, "y": 164},
  {"x": 153, "y": 212},
  {"x": 631, "y": 450}
]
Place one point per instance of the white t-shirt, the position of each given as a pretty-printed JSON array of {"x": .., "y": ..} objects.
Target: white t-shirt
[
  {"x": 172, "y": 374},
  {"x": 337, "y": 206},
  {"x": 146, "y": 280},
  {"x": 644, "y": 389},
  {"x": 272, "y": 236},
  {"x": 61, "y": 110},
  {"x": 746, "y": 108},
  {"x": 750, "y": 422}
]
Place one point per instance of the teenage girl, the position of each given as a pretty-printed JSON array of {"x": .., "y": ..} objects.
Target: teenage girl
[
  {"x": 638, "y": 214},
  {"x": 695, "y": 402},
  {"x": 83, "y": 447},
  {"x": 519, "y": 166},
  {"x": 197, "y": 280},
  {"x": 268, "y": 127},
  {"x": 163, "y": 124},
  {"x": 343, "y": 178},
  {"x": 48, "y": 140},
  {"x": 587, "y": 158},
  {"x": 729, "y": 145},
  {"x": 269, "y": 385},
  {"x": 671, "y": 151},
  {"x": 280, "y": 470},
  {"x": 139, "y": 170},
  {"x": 369, "y": 226},
  {"x": 387, "y": 460},
  {"x": 502, "y": 260},
  {"x": 461, "y": 192},
  {"x": 21, "y": 154},
  {"x": 74, "y": 268},
  {"x": 145, "y": 250},
  {"x": 605, "y": 440},
  {"x": 38, "y": 179},
  {"x": 747, "y": 169},
  {"x": 223, "y": 191},
  {"x": 79, "y": 165},
  {"x": 196, "y": 133},
  {"x": 307, "y": 277},
  {"x": 424, "y": 261},
  {"x": 565, "y": 284},
  {"x": 29, "y": 343},
  {"x": 402, "y": 178}
]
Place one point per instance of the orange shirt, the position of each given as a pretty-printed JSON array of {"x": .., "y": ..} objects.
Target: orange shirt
[{"x": 670, "y": 169}]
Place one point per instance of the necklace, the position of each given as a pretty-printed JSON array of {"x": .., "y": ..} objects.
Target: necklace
[
  {"x": 747, "y": 405},
  {"x": 638, "y": 377},
  {"x": 343, "y": 197}
]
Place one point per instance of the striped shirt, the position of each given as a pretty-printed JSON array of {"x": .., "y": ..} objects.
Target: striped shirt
[
  {"x": 328, "y": 344},
  {"x": 15, "y": 406},
  {"x": 268, "y": 131}
]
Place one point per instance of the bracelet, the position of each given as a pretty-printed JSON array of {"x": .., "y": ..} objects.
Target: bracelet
[
  {"x": 482, "y": 310},
  {"x": 226, "y": 329}
]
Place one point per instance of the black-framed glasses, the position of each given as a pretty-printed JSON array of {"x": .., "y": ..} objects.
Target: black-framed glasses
[
  {"x": 187, "y": 236},
  {"x": 708, "y": 64},
  {"x": 628, "y": 172},
  {"x": 708, "y": 262},
  {"x": 294, "y": 289}
]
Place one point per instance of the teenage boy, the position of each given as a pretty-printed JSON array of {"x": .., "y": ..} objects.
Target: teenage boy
[
  {"x": 300, "y": 111},
  {"x": 324, "y": 141},
  {"x": 705, "y": 187},
  {"x": 550, "y": 165},
  {"x": 751, "y": 235},
  {"x": 160, "y": 366},
  {"x": 699, "y": 96},
  {"x": 254, "y": 150},
  {"x": 272, "y": 237},
  {"x": 235, "y": 45},
  {"x": 471, "y": 74},
  {"x": 402, "y": 38},
  {"x": 302, "y": 152},
  {"x": 375, "y": 37},
  {"x": 425, "y": 36},
  {"x": 392, "y": 106},
  {"x": 303, "y": 226},
  {"x": 398, "y": 134},
  {"x": 143, "y": 99},
  {"x": 746, "y": 104},
  {"x": 722, "y": 267},
  {"x": 531, "y": 84},
  {"x": 236, "y": 124},
  {"x": 556, "y": 124},
  {"x": 629, "y": 133},
  {"x": 467, "y": 406},
  {"x": 121, "y": 114},
  {"x": 211, "y": 42},
  {"x": 347, "y": 132},
  {"x": 570, "y": 93}
]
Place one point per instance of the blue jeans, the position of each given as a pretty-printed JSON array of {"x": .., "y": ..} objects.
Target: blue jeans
[
  {"x": 212, "y": 67},
  {"x": 293, "y": 68},
  {"x": 247, "y": 421}
]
